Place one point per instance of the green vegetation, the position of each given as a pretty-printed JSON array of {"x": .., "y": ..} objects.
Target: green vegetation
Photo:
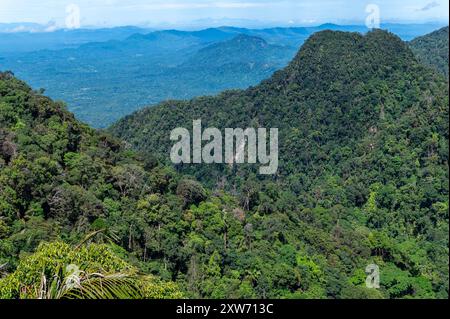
[
  {"x": 363, "y": 166},
  {"x": 363, "y": 179},
  {"x": 54, "y": 272},
  {"x": 102, "y": 82},
  {"x": 432, "y": 50},
  {"x": 60, "y": 181}
]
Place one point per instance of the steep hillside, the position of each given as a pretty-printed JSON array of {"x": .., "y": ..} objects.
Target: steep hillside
[
  {"x": 363, "y": 141},
  {"x": 432, "y": 50},
  {"x": 62, "y": 181},
  {"x": 45, "y": 153},
  {"x": 323, "y": 91},
  {"x": 80, "y": 198}
]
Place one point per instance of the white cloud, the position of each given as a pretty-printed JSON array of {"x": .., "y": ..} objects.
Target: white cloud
[
  {"x": 195, "y": 5},
  {"x": 430, "y": 6}
]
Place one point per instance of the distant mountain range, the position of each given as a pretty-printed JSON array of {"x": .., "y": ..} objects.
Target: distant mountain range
[
  {"x": 106, "y": 80},
  {"x": 22, "y": 27},
  {"x": 105, "y": 74},
  {"x": 27, "y": 37},
  {"x": 31, "y": 37}
]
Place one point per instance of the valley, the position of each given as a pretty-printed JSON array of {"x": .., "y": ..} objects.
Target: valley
[{"x": 362, "y": 180}]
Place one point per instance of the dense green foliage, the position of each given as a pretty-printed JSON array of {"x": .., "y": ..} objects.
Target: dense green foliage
[
  {"x": 61, "y": 180},
  {"x": 363, "y": 169},
  {"x": 58, "y": 271},
  {"x": 432, "y": 50},
  {"x": 363, "y": 179}
]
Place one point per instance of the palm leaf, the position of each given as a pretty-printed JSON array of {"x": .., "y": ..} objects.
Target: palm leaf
[{"x": 116, "y": 286}]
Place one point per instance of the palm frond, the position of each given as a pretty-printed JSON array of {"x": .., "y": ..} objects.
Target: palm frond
[{"x": 97, "y": 286}]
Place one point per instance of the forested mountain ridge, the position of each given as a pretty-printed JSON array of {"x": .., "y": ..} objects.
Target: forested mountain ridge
[
  {"x": 61, "y": 181},
  {"x": 432, "y": 49},
  {"x": 342, "y": 67},
  {"x": 363, "y": 180},
  {"x": 363, "y": 141},
  {"x": 106, "y": 74}
]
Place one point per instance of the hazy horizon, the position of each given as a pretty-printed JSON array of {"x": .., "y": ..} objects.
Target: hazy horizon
[
  {"x": 158, "y": 14},
  {"x": 26, "y": 27}
]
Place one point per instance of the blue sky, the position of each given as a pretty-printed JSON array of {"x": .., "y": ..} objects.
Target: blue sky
[{"x": 165, "y": 13}]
